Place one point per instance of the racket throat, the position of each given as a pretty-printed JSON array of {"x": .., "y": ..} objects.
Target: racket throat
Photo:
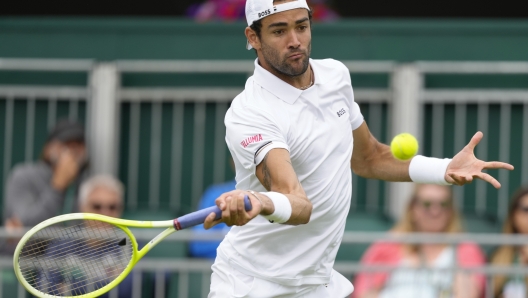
[{"x": 177, "y": 225}]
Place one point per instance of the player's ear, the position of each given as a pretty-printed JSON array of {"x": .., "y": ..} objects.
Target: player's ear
[{"x": 252, "y": 38}]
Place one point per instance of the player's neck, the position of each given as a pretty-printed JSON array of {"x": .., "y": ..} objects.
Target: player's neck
[{"x": 303, "y": 81}]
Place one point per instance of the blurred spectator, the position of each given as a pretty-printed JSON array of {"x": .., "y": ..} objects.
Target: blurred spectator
[
  {"x": 101, "y": 194},
  {"x": 43, "y": 189},
  {"x": 207, "y": 249},
  {"x": 516, "y": 223},
  {"x": 232, "y": 10},
  {"x": 431, "y": 210}
]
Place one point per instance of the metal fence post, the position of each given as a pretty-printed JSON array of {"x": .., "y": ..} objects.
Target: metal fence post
[
  {"x": 406, "y": 84},
  {"x": 104, "y": 118}
]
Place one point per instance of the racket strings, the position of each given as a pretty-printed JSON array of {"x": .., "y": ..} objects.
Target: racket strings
[
  {"x": 75, "y": 260},
  {"x": 88, "y": 255},
  {"x": 102, "y": 247}
]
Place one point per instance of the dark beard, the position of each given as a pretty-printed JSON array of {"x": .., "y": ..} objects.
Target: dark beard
[{"x": 272, "y": 58}]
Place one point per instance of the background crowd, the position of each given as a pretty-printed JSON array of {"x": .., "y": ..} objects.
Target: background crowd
[{"x": 59, "y": 182}]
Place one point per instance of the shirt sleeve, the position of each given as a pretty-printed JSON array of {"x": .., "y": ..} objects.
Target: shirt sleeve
[
  {"x": 355, "y": 116},
  {"x": 251, "y": 134}
]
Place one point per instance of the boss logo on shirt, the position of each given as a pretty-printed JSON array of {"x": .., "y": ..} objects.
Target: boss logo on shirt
[
  {"x": 251, "y": 140},
  {"x": 264, "y": 13},
  {"x": 341, "y": 112}
]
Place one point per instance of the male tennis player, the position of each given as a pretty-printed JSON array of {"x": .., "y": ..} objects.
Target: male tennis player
[{"x": 291, "y": 133}]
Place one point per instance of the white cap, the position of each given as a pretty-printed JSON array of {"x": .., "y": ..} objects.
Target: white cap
[{"x": 259, "y": 9}]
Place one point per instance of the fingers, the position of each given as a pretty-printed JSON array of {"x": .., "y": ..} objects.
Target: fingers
[
  {"x": 498, "y": 165},
  {"x": 466, "y": 179},
  {"x": 460, "y": 179},
  {"x": 475, "y": 140},
  {"x": 488, "y": 178},
  {"x": 210, "y": 221},
  {"x": 233, "y": 209}
]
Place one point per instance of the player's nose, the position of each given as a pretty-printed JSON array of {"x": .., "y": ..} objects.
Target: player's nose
[{"x": 293, "y": 41}]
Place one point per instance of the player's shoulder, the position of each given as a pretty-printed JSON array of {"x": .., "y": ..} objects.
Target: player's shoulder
[
  {"x": 329, "y": 65},
  {"x": 253, "y": 101},
  {"x": 330, "y": 69}
]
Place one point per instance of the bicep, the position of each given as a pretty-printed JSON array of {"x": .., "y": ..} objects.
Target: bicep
[
  {"x": 276, "y": 173},
  {"x": 365, "y": 144}
]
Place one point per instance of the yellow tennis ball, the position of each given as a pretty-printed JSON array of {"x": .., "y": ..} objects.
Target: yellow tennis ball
[{"x": 404, "y": 146}]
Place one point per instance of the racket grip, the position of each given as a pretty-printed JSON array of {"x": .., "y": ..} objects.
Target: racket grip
[{"x": 198, "y": 217}]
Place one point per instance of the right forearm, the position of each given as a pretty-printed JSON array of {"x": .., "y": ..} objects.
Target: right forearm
[
  {"x": 301, "y": 208},
  {"x": 277, "y": 175}
]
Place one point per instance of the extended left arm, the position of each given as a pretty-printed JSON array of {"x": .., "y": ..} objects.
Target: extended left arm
[{"x": 372, "y": 159}]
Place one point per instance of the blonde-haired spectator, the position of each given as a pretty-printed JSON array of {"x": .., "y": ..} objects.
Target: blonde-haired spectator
[{"x": 430, "y": 210}]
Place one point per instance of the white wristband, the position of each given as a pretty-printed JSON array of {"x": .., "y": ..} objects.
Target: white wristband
[
  {"x": 283, "y": 208},
  {"x": 428, "y": 170}
]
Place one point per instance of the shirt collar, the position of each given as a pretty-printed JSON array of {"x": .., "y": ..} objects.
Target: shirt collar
[{"x": 276, "y": 86}]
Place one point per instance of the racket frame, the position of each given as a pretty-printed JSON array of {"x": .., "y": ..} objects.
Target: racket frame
[{"x": 123, "y": 224}]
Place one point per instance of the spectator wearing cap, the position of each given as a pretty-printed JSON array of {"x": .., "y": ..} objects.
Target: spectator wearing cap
[{"x": 37, "y": 191}]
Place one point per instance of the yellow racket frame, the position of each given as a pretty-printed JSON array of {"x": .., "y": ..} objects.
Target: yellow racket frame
[{"x": 123, "y": 224}]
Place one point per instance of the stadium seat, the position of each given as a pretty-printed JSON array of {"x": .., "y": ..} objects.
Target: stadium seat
[{"x": 361, "y": 222}]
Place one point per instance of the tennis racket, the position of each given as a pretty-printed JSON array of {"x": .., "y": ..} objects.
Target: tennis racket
[{"x": 86, "y": 255}]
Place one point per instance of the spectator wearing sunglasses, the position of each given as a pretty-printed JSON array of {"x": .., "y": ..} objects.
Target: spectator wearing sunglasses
[
  {"x": 516, "y": 223},
  {"x": 101, "y": 194},
  {"x": 430, "y": 210}
]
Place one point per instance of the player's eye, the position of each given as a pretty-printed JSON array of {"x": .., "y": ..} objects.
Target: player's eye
[
  {"x": 303, "y": 27},
  {"x": 278, "y": 32}
]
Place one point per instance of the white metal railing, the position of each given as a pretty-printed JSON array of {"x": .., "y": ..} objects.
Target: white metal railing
[
  {"x": 66, "y": 65},
  {"x": 405, "y": 96},
  {"x": 53, "y": 95},
  {"x": 188, "y": 268}
]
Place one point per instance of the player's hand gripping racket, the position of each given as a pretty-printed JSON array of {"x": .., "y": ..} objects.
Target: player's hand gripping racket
[{"x": 86, "y": 255}]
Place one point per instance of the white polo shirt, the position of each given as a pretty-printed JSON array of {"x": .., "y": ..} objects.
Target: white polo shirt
[{"x": 315, "y": 126}]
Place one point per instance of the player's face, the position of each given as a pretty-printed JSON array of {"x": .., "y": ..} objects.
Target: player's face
[
  {"x": 432, "y": 209},
  {"x": 285, "y": 42},
  {"x": 520, "y": 217}
]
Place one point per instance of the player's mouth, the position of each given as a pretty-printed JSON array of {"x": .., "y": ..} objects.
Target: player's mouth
[{"x": 296, "y": 56}]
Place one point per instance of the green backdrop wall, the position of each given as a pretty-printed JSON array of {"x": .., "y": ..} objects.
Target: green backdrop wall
[{"x": 402, "y": 40}]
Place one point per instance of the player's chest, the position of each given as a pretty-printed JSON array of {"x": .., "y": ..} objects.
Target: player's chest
[{"x": 319, "y": 128}]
